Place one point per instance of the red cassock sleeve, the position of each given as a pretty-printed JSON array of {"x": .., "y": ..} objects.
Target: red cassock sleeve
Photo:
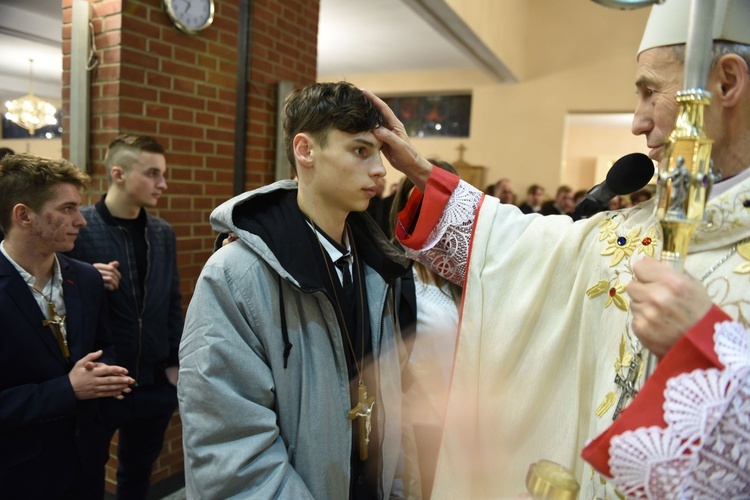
[
  {"x": 426, "y": 208},
  {"x": 694, "y": 350}
]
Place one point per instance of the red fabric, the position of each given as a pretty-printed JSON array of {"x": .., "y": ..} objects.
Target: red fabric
[
  {"x": 428, "y": 207},
  {"x": 695, "y": 350}
]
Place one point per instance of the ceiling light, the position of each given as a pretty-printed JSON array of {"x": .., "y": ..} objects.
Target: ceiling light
[{"x": 29, "y": 111}]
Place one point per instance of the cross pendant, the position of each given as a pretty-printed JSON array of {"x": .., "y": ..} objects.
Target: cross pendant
[
  {"x": 627, "y": 384},
  {"x": 57, "y": 324},
  {"x": 363, "y": 411}
]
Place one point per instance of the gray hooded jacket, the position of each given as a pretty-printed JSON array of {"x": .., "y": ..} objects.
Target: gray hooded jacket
[{"x": 264, "y": 399}]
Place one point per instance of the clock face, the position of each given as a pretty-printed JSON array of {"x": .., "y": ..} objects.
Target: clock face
[{"x": 190, "y": 16}]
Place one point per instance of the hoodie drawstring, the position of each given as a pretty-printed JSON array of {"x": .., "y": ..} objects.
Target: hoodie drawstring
[{"x": 284, "y": 332}]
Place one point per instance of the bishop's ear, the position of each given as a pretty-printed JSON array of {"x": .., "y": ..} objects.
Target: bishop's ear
[
  {"x": 733, "y": 78},
  {"x": 303, "y": 147}
]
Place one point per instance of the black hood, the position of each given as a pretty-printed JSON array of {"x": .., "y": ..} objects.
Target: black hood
[{"x": 275, "y": 217}]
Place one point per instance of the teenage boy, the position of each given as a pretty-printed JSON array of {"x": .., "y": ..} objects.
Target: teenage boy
[
  {"x": 136, "y": 254},
  {"x": 55, "y": 345},
  {"x": 291, "y": 358}
]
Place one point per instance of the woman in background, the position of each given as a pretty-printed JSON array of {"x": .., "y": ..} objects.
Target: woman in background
[{"x": 432, "y": 344}]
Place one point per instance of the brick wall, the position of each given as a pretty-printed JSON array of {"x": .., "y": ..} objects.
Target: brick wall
[{"x": 153, "y": 79}]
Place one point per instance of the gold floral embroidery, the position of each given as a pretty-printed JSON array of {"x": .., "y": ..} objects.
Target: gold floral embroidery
[
  {"x": 648, "y": 242},
  {"x": 614, "y": 293},
  {"x": 621, "y": 246},
  {"x": 607, "y": 228},
  {"x": 609, "y": 401},
  {"x": 625, "y": 357},
  {"x": 602, "y": 286},
  {"x": 744, "y": 251}
]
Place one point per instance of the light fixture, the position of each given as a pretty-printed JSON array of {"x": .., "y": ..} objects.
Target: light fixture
[
  {"x": 29, "y": 111},
  {"x": 627, "y": 4}
]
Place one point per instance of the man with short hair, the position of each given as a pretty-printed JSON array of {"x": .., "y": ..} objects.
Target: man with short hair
[
  {"x": 55, "y": 346},
  {"x": 504, "y": 190},
  {"x": 561, "y": 205},
  {"x": 136, "y": 254},
  {"x": 534, "y": 197},
  {"x": 290, "y": 364},
  {"x": 549, "y": 340}
]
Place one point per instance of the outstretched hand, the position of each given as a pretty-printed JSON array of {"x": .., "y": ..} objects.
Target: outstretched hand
[
  {"x": 665, "y": 303},
  {"x": 396, "y": 145},
  {"x": 91, "y": 379}
]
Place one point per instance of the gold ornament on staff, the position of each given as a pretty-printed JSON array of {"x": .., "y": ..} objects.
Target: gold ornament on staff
[{"x": 685, "y": 179}]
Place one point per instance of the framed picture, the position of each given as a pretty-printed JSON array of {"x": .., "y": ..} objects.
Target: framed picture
[{"x": 433, "y": 115}]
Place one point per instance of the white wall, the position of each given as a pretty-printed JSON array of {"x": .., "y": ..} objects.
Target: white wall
[{"x": 580, "y": 59}]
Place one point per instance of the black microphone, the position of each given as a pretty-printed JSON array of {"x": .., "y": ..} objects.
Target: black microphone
[{"x": 629, "y": 174}]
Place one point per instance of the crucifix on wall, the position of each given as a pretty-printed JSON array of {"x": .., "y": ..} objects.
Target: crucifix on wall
[{"x": 473, "y": 174}]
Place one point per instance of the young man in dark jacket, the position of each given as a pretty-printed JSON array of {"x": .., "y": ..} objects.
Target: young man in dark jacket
[
  {"x": 136, "y": 254},
  {"x": 55, "y": 344}
]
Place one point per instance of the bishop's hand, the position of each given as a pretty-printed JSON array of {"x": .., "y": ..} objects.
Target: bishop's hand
[
  {"x": 396, "y": 145},
  {"x": 665, "y": 303}
]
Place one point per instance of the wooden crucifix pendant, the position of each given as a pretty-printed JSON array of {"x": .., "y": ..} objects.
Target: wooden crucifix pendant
[
  {"x": 57, "y": 323},
  {"x": 363, "y": 411},
  {"x": 627, "y": 384}
]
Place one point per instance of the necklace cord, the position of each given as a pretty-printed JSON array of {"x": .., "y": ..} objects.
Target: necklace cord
[{"x": 338, "y": 302}]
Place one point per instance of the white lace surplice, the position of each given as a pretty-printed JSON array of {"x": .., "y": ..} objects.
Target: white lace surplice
[
  {"x": 453, "y": 232},
  {"x": 704, "y": 450}
]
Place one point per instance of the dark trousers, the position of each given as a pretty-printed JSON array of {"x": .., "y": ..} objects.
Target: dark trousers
[
  {"x": 142, "y": 417},
  {"x": 50, "y": 479}
]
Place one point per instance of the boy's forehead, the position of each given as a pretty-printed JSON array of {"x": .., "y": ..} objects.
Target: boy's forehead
[
  {"x": 63, "y": 194},
  {"x": 366, "y": 138}
]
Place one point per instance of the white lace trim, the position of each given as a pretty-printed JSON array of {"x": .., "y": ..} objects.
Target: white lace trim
[
  {"x": 446, "y": 250},
  {"x": 704, "y": 451}
]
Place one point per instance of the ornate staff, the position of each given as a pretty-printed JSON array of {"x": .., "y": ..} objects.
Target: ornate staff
[{"x": 685, "y": 179}]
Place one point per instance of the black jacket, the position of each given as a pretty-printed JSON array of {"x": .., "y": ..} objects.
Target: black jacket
[
  {"x": 146, "y": 328},
  {"x": 45, "y": 432}
]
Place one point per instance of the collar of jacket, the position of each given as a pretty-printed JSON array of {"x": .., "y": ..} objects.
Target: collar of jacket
[
  {"x": 275, "y": 217},
  {"x": 107, "y": 216}
]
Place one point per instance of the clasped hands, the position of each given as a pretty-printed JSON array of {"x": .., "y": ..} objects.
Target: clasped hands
[{"x": 91, "y": 379}]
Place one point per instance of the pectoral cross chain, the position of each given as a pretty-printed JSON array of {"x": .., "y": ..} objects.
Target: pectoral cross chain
[
  {"x": 627, "y": 385},
  {"x": 57, "y": 323},
  {"x": 363, "y": 411}
]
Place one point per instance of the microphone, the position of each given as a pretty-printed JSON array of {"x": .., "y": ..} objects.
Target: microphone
[{"x": 629, "y": 174}]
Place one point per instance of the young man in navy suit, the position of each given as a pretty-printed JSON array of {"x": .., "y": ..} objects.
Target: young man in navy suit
[{"x": 54, "y": 339}]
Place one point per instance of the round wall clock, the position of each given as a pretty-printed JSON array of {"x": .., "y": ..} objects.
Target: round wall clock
[{"x": 190, "y": 16}]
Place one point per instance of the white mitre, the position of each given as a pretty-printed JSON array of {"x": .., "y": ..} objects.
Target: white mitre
[{"x": 668, "y": 23}]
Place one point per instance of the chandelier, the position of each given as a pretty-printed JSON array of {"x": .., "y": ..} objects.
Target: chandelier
[{"x": 29, "y": 111}]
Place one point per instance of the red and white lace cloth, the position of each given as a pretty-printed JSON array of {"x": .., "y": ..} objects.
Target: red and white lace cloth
[
  {"x": 701, "y": 448},
  {"x": 446, "y": 248}
]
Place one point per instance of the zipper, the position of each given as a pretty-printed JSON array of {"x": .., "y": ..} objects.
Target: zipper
[{"x": 138, "y": 307}]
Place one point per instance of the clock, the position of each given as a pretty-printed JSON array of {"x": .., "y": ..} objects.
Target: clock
[{"x": 190, "y": 16}]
